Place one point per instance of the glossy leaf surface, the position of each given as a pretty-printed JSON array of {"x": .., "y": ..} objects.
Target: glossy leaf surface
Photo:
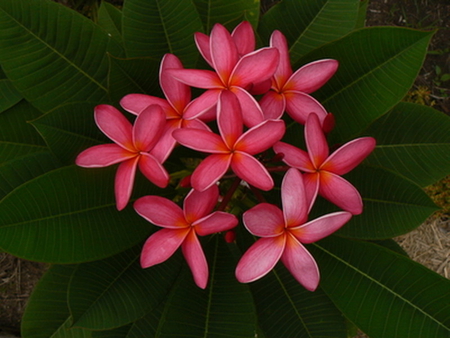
[
  {"x": 385, "y": 294},
  {"x": 45, "y": 63}
]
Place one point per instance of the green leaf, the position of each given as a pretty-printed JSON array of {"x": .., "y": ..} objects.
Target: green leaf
[
  {"x": 130, "y": 76},
  {"x": 113, "y": 292},
  {"x": 24, "y": 166},
  {"x": 385, "y": 294},
  {"x": 413, "y": 141},
  {"x": 120, "y": 332},
  {"x": 309, "y": 24},
  {"x": 224, "y": 309},
  {"x": 69, "y": 215},
  {"x": 70, "y": 129},
  {"x": 152, "y": 28},
  {"x": 110, "y": 19},
  {"x": 362, "y": 14},
  {"x": 305, "y": 313},
  {"x": 377, "y": 67},
  {"x": 14, "y": 126},
  {"x": 392, "y": 205},
  {"x": 47, "y": 314},
  {"x": 229, "y": 13},
  {"x": 43, "y": 54},
  {"x": 9, "y": 96}
]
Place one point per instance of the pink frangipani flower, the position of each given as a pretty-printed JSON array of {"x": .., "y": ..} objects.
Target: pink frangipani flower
[
  {"x": 232, "y": 148},
  {"x": 283, "y": 232},
  {"x": 232, "y": 72},
  {"x": 322, "y": 172},
  {"x": 132, "y": 148},
  {"x": 177, "y": 103},
  {"x": 181, "y": 227},
  {"x": 290, "y": 90}
]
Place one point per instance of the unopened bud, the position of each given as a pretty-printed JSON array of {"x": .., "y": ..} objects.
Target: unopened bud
[
  {"x": 230, "y": 236},
  {"x": 186, "y": 182},
  {"x": 328, "y": 123}
]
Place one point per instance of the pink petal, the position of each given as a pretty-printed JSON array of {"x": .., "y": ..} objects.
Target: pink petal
[
  {"x": 161, "y": 212},
  {"x": 321, "y": 227},
  {"x": 114, "y": 125},
  {"x": 260, "y": 258},
  {"x": 135, "y": 103},
  {"x": 210, "y": 170},
  {"x": 300, "y": 263},
  {"x": 340, "y": 192},
  {"x": 177, "y": 93},
  {"x": 202, "y": 42},
  {"x": 255, "y": 67},
  {"x": 349, "y": 155},
  {"x": 196, "y": 78},
  {"x": 216, "y": 222},
  {"x": 166, "y": 142},
  {"x": 312, "y": 183},
  {"x": 273, "y": 105},
  {"x": 161, "y": 245},
  {"x": 103, "y": 155},
  {"x": 264, "y": 220},
  {"x": 284, "y": 70},
  {"x": 200, "y": 140},
  {"x": 229, "y": 118},
  {"x": 195, "y": 124},
  {"x": 153, "y": 170},
  {"x": 202, "y": 104},
  {"x": 250, "y": 170},
  {"x": 251, "y": 111},
  {"x": 261, "y": 137},
  {"x": 193, "y": 253},
  {"x": 148, "y": 128},
  {"x": 260, "y": 87},
  {"x": 224, "y": 54},
  {"x": 198, "y": 204},
  {"x": 316, "y": 142},
  {"x": 299, "y": 105},
  {"x": 124, "y": 181},
  {"x": 312, "y": 76},
  {"x": 293, "y": 197},
  {"x": 244, "y": 38},
  {"x": 294, "y": 156}
]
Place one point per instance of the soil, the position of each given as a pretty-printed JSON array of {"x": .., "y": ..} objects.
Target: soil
[{"x": 429, "y": 244}]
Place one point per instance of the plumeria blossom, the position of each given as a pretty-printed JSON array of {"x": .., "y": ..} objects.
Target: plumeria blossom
[
  {"x": 132, "y": 148},
  {"x": 290, "y": 90},
  {"x": 232, "y": 148},
  {"x": 322, "y": 172},
  {"x": 177, "y": 103},
  {"x": 181, "y": 227},
  {"x": 232, "y": 72},
  {"x": 283, "y": 234}
]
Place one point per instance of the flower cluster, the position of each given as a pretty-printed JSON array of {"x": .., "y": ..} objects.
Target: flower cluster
[{"x": 233, "y": 128}]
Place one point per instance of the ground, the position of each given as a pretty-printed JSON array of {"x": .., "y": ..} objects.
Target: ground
[{"x": 429, "y": 244}]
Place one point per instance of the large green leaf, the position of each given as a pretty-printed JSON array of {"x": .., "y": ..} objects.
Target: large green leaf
[
  {"x": 69, "y": 129},
  {"x": 129, "y": 76},
  {"x": 47, "y": 314},
  {"x": 9, "y": 96},
  {"x": 384, "y": 293},
  {"x": 413, "y": 141},
  {"x": 309, "y": 24},
  {"x": 110, "y": 19},
  {"x": 227, "y": 12},
  {"x": 69, "y": 215},
  {"x": 53, "y": 54},
  {"x": 305, "y": 314},
  {"x": 377, "y": 67},
  {"x": 14, "y": 126},
  {"x": 224, "y": 309},
  {"x": 27, "y": 163},
  {"x": 392, "y": 205},
  {"x": 152, "y": 28},
  {"x": 115, "y": 291}
]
